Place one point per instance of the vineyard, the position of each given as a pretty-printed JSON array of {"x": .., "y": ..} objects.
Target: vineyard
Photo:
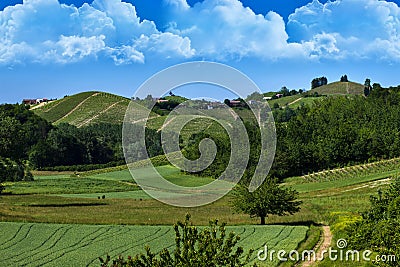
[
  {"x": 29, "y": 244},
  {"x": 355, "y": 171},
  {"x": 88, "y": 108}
]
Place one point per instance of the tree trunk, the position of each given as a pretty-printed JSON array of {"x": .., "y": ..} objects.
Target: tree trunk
[{"x": 262, "y": 220}]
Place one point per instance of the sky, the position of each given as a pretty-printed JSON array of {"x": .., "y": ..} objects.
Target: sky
[{"x": 50, "y": 48}]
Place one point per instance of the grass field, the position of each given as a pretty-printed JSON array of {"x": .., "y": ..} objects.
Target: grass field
[
  {"x": 112, "y": 182},
  {"x": 30, "y": 244},
  {"x": 332, "y": 197}
]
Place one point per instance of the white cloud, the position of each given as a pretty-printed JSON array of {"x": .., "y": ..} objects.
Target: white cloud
[
  {"x": 75, "y": 48},
  {"x": 225, "y": 29},
  {"x": 180, "y": 4},
  {"x": 46, "y": 31},
  {"x": 166, "y": 43},
  {"x": 125, "y": 55},
  {"x": 358, "y": 28}
]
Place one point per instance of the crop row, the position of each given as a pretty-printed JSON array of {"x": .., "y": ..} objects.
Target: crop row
[
  {"x": 31, "y": 244},
  {"x": 354, "y": 171}
]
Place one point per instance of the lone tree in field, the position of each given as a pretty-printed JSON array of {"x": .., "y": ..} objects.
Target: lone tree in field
[{"x": 268, "y": 199}]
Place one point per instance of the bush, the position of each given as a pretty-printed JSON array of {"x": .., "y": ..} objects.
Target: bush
[
  {"x": 208, "y": 247},
  {"x": 379, "y": 229}
]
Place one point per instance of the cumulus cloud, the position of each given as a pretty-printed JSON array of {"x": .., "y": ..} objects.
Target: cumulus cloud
[
  {"x": 225, "y": 28},
  {"x": 357, "y": 28},
  {"x": 46, "y": 31}
]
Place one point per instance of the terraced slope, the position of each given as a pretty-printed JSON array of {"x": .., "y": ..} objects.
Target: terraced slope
[
  {"x": 87, "y": 108},
  {"x": 58, "y": 109}
]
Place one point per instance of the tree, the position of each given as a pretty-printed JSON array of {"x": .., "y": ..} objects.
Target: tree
[
  {"x": 209, "y": 247},
  {"x": 317, "y": 82},
  {"x": 379, "y": 228},
  {"x": 367, "y": 87},
  {"x": 268, "y": 199},
  {"x": 344, "y": 78},
  {"x": 284, "y": 91}
]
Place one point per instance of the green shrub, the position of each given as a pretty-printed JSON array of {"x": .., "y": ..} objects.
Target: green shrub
[
  {"x": 208, "y": 247},
  {"x": 379, "y": 229}
]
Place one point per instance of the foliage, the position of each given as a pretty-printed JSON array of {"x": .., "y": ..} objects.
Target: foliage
[
  {"x": 20, "y": 129},
  {"x": 337, "y": 132},
  {"x": 12, "y": 171},
  {"x": 268, "y": 199},
  {"x": 170, "y": 102},
  {"x": 344, "y": 78},
  {"x": 379, "y": 228},
  {"x": 316, "y": 82},
  {"x": 193, "y": 247},
  {"x": 367, "y": 87}
]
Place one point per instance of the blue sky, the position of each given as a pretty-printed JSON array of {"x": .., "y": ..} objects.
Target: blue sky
[{"x": 51, "y": 49}]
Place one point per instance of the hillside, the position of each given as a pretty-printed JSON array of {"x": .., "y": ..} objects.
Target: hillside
[
  {"x": 340, "y": 88},
  {"x": 331, "y": 89},
  {"x": 85, "y": 108}
]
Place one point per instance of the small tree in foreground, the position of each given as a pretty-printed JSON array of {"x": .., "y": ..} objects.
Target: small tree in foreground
[
  {"x": 209, "y": 247},
  {"x": 268, "y": 199}
]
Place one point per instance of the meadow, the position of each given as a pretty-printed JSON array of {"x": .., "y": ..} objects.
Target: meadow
[{"x": 66, "y": 222}]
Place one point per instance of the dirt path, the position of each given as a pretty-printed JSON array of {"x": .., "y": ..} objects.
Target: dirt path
[
  {"x": 323, "y": 245},
  {"x": 40, "y": 105},
  {"x": 297, "y": 100},
  {"x": 165, "y": 124},
  {"x": 77, "y": 106}
]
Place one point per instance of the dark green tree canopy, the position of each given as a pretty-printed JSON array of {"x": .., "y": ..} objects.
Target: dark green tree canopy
[{"x": 269, "y": 199}]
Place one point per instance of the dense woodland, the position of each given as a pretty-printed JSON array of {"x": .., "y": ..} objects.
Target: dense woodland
[{"x": 28, "y": 141}]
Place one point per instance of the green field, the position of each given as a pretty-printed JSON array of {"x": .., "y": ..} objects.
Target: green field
[
  {"x": 30, "y": 244},
  {"x": 112, "y": 182},
  {"x": 93, "y": 227}
]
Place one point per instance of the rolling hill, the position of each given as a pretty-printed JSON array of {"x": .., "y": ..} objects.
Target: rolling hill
[
  {"x": 99, "y": 107},
  {"x": 86, "y": 108},
  {"x": 331, "y": 89},
  {"x": 340, "y": 88}
]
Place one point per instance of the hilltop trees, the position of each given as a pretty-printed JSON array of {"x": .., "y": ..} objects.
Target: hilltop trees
[
  {"x": 344, "y": 78},
  {"x": 268, "y": 199},
  {"x": 316, "y": 82},
  {"x": 367, "y": 87}
]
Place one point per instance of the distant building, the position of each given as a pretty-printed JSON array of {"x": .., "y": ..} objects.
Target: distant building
[
  {"x": 267, "y": 97},
  {"x": 235, "y": 103},
  {"x": 35, "y": 101}
]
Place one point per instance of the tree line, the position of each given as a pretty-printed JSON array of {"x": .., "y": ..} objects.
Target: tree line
[
  {"x": 336, "y": 132},
  {"x": 27, "y": 139}
]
